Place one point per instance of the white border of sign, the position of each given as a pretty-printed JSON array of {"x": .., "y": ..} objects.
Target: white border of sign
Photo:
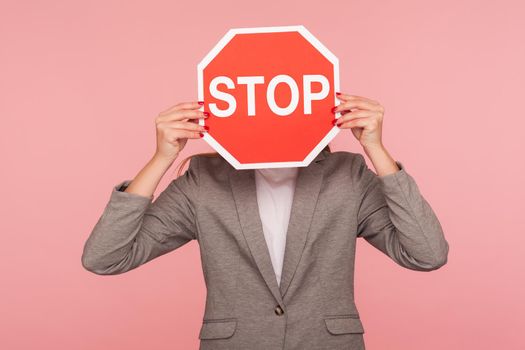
[{"x": 215, "y": 51}]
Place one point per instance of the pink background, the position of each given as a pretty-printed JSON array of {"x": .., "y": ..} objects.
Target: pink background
[{"x": 81, "y": 84}]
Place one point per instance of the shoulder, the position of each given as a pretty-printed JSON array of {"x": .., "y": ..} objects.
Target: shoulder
[
  {"x": 351, "y": 161},
  {"x": 209, "y": 165},
  {"x": 214, "y": 165},
  {"x": 216, "y": 162},
  {"x": 344, "y": 167}
]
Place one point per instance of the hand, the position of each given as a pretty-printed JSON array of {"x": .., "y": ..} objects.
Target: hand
[
  {"x": 363, "y": 116},
  {"x": 176, "y": 125}
]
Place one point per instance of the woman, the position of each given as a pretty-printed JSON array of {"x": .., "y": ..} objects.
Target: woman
[{"x": 262, "y": 293}]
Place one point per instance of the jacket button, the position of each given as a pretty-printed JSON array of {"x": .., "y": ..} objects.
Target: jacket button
[{"x": 278, "y": 310}]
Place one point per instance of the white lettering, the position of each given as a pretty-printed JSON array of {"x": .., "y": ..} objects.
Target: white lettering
[
  {"x": 250, "y": 90},
  {"x": 223, "y": 96},
  {"x": 270, "y": 94},
  {"x": 310, "y": 96}
]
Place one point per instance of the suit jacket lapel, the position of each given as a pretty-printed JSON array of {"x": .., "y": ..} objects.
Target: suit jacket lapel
[
  {"x": 307, "y": 189},
  {"x": 245, "y": 195},
  {"x": 244, "y": 192}
]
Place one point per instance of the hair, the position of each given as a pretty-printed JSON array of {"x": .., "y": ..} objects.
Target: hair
[{"x": 213, "y": 154}]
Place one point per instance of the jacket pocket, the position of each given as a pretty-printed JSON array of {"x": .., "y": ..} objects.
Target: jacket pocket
[
  {"x": 342, "y": 324},
  {"x": 218, "y": 328}
]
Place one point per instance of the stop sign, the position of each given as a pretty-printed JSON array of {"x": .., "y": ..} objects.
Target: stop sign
[{"x": 269, "y": 92}]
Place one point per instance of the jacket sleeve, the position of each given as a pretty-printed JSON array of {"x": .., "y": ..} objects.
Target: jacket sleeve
[
  {"x": 133, "y": 230},
  {"x": 395, "y": 218}
]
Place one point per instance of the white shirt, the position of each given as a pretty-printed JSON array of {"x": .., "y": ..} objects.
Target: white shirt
[{"x": 275, "y": 190}]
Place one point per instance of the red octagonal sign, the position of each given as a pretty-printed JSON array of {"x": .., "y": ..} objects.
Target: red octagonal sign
[{"x": 269, "y": 92}]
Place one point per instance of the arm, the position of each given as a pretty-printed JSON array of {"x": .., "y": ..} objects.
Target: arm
[
  {"x": 134, "y": 230},
  {"x": 396, "y": 219}
]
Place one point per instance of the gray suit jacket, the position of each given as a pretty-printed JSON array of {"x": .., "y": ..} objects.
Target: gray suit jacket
[{"x": 337, "y": 199}]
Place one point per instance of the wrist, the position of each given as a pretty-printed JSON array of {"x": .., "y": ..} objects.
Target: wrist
[
  {"x": 163, "y": 160},
  {"x": 374, "y": 148}
]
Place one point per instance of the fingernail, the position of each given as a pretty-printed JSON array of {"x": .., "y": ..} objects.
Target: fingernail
[
  {"x": 334, "y": 121},
  {"x": 333, "y": 109},
  {"x": 201, "y": 134},
  {"x": 338, "y": 93},
  {"x": 338, "y": 124},
  {"x": 201, "y": 103},
  {"x": 206, "y": 114},
  {"x": 206, "y": 127}
]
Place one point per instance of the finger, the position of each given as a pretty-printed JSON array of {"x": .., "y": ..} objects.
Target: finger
[
  {"x": 361, "y": 122},
  {"x": 182, "y": 114},
  {"x": 355, "y": 115},
  {"x": 186, "y": 125},
  {"x": 183, "y": 105},
  {"x": 346, "y": 97},
  {"x": 184, "y": 134},
  {"x": 361, "y": 104},
  {"x": 343, "y": 96}
]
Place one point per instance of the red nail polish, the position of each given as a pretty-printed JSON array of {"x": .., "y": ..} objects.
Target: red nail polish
[
  {"x": 333, "y": 109},
  {"x": 334, "y": 121},
  {"x": 201, "y": 103},
  {"x": 206, "y": 114},
  {"x": 338, "y": 93},
  {"x": 206, "y": 127},
  {"x": 201, "y": 134},
  {"x": 338, "y": 124}
]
